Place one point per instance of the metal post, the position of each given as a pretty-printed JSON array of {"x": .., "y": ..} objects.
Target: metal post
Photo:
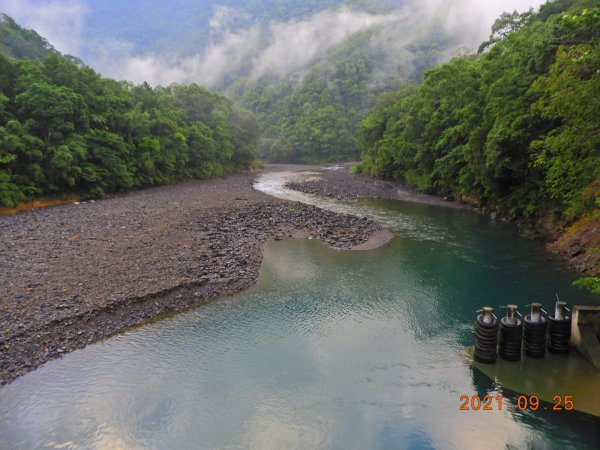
[
  {"x": 559, "y": 311},
  {"x": 488, "y": 315},
  {"x": 536, "y": 314},
  {"x": 510, "y": 314}
]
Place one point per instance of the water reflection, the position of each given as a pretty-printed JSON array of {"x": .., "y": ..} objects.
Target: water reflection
[
  {"x": 329, "y": 350},
  {"x": 544, "y": 427}
]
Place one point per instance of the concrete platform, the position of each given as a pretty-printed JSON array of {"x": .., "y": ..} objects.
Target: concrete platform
[{"x": 585, "y": 332}]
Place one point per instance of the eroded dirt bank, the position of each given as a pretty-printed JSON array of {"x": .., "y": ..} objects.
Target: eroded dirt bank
[{"x": 73, "y": 274}]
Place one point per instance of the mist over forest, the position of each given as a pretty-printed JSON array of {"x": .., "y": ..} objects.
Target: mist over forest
[
  {"x": 309, "y": 70},
  {"x": 372, "y": 172},
  {"x": 466, "y": 99},
  {"x": 118, "y": 37}
]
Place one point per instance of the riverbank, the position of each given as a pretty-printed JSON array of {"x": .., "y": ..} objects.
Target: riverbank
[
  {"x": 78, "y": 273},
  {"x": 341, "y": 184},
  {"x": 571, "y": 245}
]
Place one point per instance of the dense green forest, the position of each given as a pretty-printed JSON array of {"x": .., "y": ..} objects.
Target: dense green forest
[
  {"x": 310, "y": 115},
  {"x": 514, "y": 129},
  {"x": 65, "y": 129},
  {"x": 314, "y": 119},
  {"x": 17, "y": 42}
]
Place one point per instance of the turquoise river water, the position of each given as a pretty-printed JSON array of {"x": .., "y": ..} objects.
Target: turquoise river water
[{"x": 331, "y": 349}]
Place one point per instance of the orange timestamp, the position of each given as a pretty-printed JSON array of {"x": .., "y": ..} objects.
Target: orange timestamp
[{"x": 524, "y": 402}]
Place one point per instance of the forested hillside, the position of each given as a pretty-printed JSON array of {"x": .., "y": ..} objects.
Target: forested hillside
[
  {"x": 515, "y": 128},
  {"x": 17, "y": 42},
  {"x": 310, "y": 70},
  {"x": 65, "y": 129},
  {"x": 314, "y": 119}
]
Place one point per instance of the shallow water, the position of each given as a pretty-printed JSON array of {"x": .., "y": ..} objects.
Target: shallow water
[{"x": 330, "y": 349}]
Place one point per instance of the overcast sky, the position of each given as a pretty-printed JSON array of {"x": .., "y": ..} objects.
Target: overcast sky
[{"x": 275, "y": 49}]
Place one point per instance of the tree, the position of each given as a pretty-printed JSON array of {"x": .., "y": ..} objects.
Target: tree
[
  {"x": 515, "y": 129},
  {"x": 506, "y": 24},
  {"x": 51, "y": 112},
  {"x": 65, "y": 129}
]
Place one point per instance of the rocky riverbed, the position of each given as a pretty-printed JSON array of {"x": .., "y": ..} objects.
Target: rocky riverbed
[
  {"x": 74, "y": 274},
  {"x": 575, "y": 244},
  {"x": 340, "y": 184}
]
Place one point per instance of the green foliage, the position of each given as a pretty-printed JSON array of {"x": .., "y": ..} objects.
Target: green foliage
[
  {"x": 584, "y": 27},
  {"x": 65, "y": 129},
  {"x": 515, "y": 128},
  {"x": 592, "y": 284},
  {"x": 314, "y": 119},
  {"x": 310, "y": 116},
  {"x": 17, "y": 42},
  {"x": 504, "y": 25}
]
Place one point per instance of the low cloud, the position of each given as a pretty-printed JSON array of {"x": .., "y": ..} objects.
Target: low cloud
[
  {"x": 274, "y": 50},
  {"x": 60, "y": 22},
  {"x": 471, "y": 20},
  {"x": 280, "y": 49},
  {"x": 293, "y": 45},
  {"x": 225, "y": 17}
]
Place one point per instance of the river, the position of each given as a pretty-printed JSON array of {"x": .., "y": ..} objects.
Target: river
[{"x": 330, "y": 349}]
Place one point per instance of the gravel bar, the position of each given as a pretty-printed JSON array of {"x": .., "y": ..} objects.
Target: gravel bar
[{"x": 78, "y": 273}]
